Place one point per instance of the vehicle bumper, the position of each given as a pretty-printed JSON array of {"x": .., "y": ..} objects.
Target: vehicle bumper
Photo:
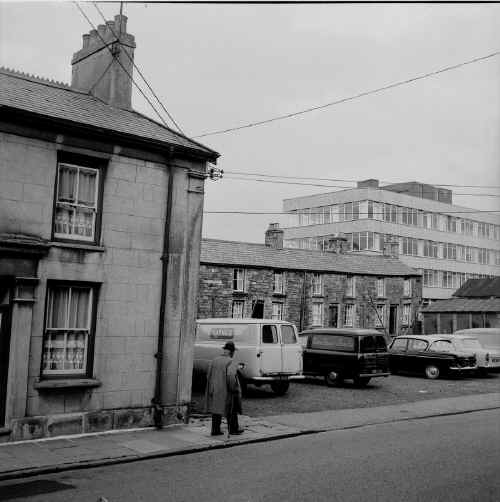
[
  {"x": 463, "y": 368},
  {"x": 274, "y": 378},
  {"x": 373, "y": 375}
]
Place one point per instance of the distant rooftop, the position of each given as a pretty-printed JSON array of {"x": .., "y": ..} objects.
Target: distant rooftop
[{"x": 259, "y": 255}]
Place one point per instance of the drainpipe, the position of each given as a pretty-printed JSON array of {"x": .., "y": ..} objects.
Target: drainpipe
[
  {"x": 302, "y": 303},
  {"x": 157, "y": 401}
]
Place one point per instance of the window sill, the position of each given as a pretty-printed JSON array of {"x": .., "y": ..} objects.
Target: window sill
[
  {"x": 240, "y": 293},
  {"x": 78, "y": 245},
  {"x": 279, "y": 295},
  {"x": 67, "y": 383},
  {"x": 317, "y": 297}
]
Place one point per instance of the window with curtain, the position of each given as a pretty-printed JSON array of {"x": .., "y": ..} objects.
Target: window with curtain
[
  {"x": 380, "y": 287},
  {"x": 239, "y": 279},
  {"x": 317, "y": 284},
  {"x": 277, "y": 313},
  {"x": 68, "y": 329},
  {"x": 278, "y": 282},
  {"x": 380, "y": 316},
  {"x": 76, "y": 202},
  {"x": 237, "y": 309},
  {"x": 349, "y": 315},
  {"x": 317, "y": 314},
  {"x": 350, "y": 286}
]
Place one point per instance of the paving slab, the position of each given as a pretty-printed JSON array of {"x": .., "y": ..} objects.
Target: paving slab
[{"x": 34, "y": 457}]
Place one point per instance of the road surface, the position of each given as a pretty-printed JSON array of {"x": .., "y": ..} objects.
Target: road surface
[{"x": 449, "y": 458}]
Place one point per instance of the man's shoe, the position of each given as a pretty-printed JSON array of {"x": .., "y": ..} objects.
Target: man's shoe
[
  {"x": 218, "y": 433},
  {"x": 239, "y": 431}
]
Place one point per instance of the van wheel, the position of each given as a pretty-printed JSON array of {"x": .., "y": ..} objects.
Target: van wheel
[
  {"x": 280, "y": 388},
  {"x": 432, "y": 372},
  {"x": 243, "y": 384},
  {"x": 361, "y": 381},
  {"x": 333, "y": 378}
]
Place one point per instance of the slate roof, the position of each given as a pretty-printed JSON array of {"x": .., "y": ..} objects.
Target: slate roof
[
  {"x": 59, "y": 101},
  {"x": 218, "y": 252},
  {"x": 479, "y": 288},
  {"x": 464, "y": 305}
]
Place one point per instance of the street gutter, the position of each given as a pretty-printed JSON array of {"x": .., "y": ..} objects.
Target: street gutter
[{"x": 87, "y": 464}]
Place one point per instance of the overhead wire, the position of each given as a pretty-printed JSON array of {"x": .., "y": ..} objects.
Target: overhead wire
[
  {"x": 300, "y": 183},
  {"x": 140, "y": 73},
  {"x": 350, "y": 98},
  {"x": 264, "y": 175},
  {"x": 120, "y": 63}
]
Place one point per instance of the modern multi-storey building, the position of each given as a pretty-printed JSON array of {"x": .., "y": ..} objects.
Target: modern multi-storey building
[{"x": 447, "y": 243}]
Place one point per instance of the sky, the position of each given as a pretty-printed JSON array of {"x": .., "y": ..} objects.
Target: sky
[{"x": 216, "y": 67}]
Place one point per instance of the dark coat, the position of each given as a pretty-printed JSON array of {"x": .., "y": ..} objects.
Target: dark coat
[{"x": 223, "y": 392}]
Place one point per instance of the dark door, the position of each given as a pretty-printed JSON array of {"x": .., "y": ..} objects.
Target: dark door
[
  {"x": 393, "y": 319},
  {"x": 4, "y": 357},
  {"x": 333, "y": 316},
  {"x": 258, "y": 309}
]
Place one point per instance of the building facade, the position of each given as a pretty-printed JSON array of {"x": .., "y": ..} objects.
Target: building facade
[
  {"x": 475, "y": 305},
  {"x": 449, "y": 244},
  {"x": 100, "y": 231},
  {"x": 308, "y": 288}
]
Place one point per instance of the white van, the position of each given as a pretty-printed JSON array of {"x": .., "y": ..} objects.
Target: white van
[{"x": 269, "y": 350}]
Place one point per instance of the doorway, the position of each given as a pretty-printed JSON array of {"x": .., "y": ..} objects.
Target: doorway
[
  {"x": 333, "y": 315},
  {"x": 393, "y": 320},
  {"x": 258, "y": 309}
]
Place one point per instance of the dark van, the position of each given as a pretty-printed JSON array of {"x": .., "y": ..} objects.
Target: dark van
[{"x": 338, "y": 354}]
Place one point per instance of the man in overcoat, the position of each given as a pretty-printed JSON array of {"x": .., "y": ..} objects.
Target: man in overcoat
[{"x": 223, "y": 392}]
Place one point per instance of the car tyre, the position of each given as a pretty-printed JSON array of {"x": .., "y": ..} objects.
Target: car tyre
[
  {"x": 332, "y": 379},
  {"x": 280, "y": 388},
  {"x": 361, "y": 381},
  {"x": 432, "y": 372}
]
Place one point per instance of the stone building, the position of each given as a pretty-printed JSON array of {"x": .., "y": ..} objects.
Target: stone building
[
  {"x": 308, "y": 288},
  {"x": 100, "y": 231},
  {"x": 475, "y": 305}
]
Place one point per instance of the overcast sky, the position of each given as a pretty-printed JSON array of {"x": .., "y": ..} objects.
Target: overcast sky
[{"x": 216, "y": 67}]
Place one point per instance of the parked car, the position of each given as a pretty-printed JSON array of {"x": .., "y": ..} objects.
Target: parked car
[
  {"x": 337, "y": 354},
  {"x": 268, "y": 350},
  {"x": 489, "y": 339},
  {"x": 433, "y": 355}
]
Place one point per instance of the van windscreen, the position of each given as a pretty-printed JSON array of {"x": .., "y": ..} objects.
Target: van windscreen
[{"x": 243, "y": 334}]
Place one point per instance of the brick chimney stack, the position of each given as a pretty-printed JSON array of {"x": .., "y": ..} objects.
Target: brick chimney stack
[
  {"x": 97, "y": 72},
  {"x": 274, "y": 236}
]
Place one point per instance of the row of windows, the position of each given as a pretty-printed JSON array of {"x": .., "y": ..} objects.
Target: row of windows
[
  {"x": 317, "y": 310},
  {"x": 367, "y": 209},
  {"x": 374, "y": 241},
  {"x": 447, "y": 279},
  {"x": 240, "y": 284}
]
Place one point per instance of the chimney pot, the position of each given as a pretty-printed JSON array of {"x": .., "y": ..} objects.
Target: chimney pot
[
  {"x": 86, "y": 40},
  {"x": 120, "y": 23}
]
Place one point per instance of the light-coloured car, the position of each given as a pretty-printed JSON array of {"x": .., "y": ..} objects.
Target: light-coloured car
[
  {"x": 489, "y": 339},
  {"x": 268, "y": 350}
]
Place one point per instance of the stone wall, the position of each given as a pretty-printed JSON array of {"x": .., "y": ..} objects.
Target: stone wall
[
  {"x": 216, "y": 295},
  {"x": 128, "y": 265}
]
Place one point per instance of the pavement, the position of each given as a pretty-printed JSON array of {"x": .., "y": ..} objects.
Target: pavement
[{"x": 49, "y": 455}]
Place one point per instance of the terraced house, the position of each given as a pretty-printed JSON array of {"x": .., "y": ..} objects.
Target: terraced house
[
  {"x": 100, "y": 231},
  {"x": 309, "y": 288}
]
